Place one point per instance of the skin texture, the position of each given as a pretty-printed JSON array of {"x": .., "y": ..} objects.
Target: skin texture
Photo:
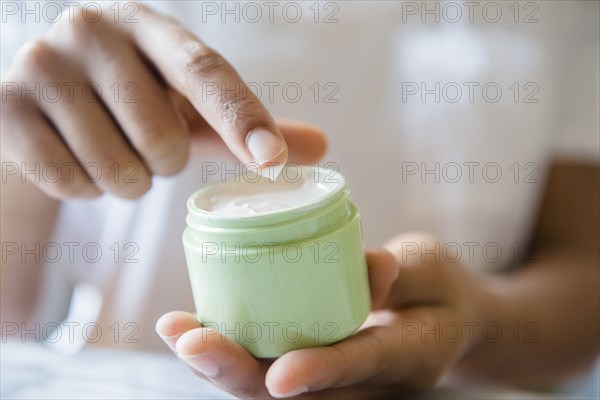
[
  {"x": 557, "y": 291},
  {"x": 159, "y": 68}
]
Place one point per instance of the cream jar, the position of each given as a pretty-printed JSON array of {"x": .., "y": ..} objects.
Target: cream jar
[{"x": 278, "y": 265}]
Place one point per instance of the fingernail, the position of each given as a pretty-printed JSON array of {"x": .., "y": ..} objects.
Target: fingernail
[
  {"x": 264, "y": 145},
  {"x": 168, "y": 338},
  {"x": 291, "y": 393},
  {"x": 202, "y": 363}
]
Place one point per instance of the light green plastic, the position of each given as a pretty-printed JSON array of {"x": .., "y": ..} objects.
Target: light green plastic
[{"x": 282, "y": 281}]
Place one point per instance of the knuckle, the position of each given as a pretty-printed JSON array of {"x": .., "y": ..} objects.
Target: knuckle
[
  {"x": 198, "y": 60},
  {"x": 35, "y": 56},
  {"x": 83, "y": 21},
  {"x": 230, "y": 107},
  {"x": 236, "y": 108},
  {"x": 81, "y": 25}
]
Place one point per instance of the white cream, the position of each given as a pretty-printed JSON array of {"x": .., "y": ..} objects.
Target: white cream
[{"x": 248, "y": 197}]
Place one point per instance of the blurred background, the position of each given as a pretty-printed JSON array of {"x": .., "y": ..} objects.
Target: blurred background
[{"x": 443, "y": 116}]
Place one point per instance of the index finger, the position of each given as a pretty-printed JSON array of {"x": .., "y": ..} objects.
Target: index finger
[{"x": 213, "y": 87}]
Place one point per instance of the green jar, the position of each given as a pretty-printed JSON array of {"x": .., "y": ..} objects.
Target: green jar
[{"x": 279, "y": 280}]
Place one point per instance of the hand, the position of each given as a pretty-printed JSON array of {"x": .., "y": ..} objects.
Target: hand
[
  {"x": 124, "y": 97},
  {"x": 407, "y": 343}
]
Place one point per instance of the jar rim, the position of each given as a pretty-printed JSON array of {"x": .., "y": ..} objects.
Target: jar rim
[{"x": 207, "y": 218}]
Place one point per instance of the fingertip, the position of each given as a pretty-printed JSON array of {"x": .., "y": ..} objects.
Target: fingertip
[
  {"x": 291, "y": 393},
  {"x": 197, "y": 341},
  {"x": 175, "y": 323},
  {"x": 266, "y": 147},
  {"x": 187, "y": 345},
  {"x": 226, "y": 363},
  {"x": 286, "y": 377},
  {"x": 275, "y": 379}
]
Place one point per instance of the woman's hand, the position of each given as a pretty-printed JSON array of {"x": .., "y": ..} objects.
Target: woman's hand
[
  {"x": 107, "y": 99},
  {"x": 427, "y": 313}
]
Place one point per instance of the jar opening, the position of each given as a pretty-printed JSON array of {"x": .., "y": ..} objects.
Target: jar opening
[{"x": 248, "y": 197}]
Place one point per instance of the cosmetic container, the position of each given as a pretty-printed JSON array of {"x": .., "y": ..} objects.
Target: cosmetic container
[{"x": 277, "y": 265}]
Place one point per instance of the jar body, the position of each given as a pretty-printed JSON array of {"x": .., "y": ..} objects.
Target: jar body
[{"x": 272, "y": 297}]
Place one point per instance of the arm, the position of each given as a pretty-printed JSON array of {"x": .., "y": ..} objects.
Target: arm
[{"x": 557, "y": 292}]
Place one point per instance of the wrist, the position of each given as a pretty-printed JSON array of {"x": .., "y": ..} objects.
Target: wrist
[{"x": 490, "y": 314}]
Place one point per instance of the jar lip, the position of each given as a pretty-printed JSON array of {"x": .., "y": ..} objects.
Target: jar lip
[{"x": 328, "y": 176}]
